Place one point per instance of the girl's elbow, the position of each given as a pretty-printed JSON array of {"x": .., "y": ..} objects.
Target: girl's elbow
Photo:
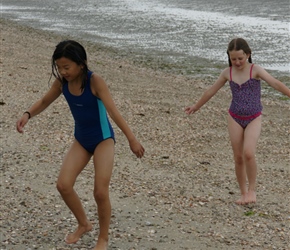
[{"x": 114, "y": 116}]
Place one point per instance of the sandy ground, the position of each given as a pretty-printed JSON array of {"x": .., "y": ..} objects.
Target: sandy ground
[{"x": 179, "y": 196}]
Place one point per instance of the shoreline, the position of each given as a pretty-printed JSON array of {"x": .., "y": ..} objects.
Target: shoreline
[
  {"x": 179, "y": 196},
  {"x": 193, "y": 68}
]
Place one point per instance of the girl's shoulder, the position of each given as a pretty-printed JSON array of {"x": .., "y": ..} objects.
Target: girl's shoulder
[
  {"x": 96, "y": 79},
  {"x": 226, "y": 73},
  {"x": 257, "y": 71},
  {"x": 97, "y": 84},
  {"x": 57, "y": 84}
]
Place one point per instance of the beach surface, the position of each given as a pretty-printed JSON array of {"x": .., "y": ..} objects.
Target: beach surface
[{"x": 181, "y": 195}]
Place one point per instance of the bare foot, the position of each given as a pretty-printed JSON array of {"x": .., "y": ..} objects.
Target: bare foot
[
  {"x": 102, "y": 244},
  {"x": 78, "y": 233},
  {"x": 251, "y": 197},
  {"x": 242, "y": 200}
]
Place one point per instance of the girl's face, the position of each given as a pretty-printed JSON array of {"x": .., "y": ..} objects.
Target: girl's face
[
  {"x": 238, "y": 58},
  {"x": 68, "y": 69}
]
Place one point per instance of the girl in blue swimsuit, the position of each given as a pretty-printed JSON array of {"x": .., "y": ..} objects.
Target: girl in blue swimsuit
[
  {"x": 244, "y": 120},
  {"x": 89, "y": 100}
]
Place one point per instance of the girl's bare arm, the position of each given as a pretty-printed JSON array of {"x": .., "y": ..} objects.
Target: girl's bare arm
[
  {"x": 100, "y": 89},
  {"x": 40, "y": 105},
  {"x": 273, "y": 82},
  {"x": 209, "y": 93}
]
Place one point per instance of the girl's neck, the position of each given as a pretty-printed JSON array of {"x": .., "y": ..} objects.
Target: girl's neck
[
  {"x": 75, "y": 82},
  {"x": 74, "y": 86}
]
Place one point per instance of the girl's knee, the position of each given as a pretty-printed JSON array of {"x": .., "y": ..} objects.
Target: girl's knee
[
  {"x": 249, "y": 156},
  {"x": 101, "y": 195},
  {"x": 63, "y": 188},
  {"x": 239, "y": 159}
]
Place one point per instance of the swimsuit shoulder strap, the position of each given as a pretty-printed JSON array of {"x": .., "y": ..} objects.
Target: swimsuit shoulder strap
[
  {"x": 251, "y": 70},
  {"x": 64, "y": 86},
  {"x": 89, "y": 74},
  {"x": 231, "y": 73}
]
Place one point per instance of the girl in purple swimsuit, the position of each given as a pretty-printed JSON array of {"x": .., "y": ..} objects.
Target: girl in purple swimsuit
[
  {"x": 244, "y": 119},
  {"x": 89, "y": 100}
]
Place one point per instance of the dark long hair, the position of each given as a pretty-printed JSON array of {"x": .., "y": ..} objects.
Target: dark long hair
[
  {"x": 73, "y": 51},
  {"x": 239, "y": 44}
]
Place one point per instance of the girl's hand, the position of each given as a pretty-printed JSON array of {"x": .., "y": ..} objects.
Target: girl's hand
[
  {"x": 137, "y": 148},
  {"x": 190, "y": 110},
  {"x": 21, "y": 123}
]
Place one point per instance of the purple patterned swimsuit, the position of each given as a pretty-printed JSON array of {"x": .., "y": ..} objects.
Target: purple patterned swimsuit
[{"x": 246, "y": 100}]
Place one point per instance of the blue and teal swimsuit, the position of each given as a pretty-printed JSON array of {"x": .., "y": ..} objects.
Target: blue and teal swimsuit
[{"x": 92, "y": 125}]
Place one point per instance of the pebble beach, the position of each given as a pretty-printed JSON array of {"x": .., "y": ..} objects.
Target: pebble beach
[{"x": 181, "y": 195}]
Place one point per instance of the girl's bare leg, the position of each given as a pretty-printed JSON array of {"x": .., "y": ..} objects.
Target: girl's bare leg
[
  {"x": 74, "y": 162},
  {"x": 103, "y": 162},
  {"x": 236, "y": 133},
  {"x": 251, "y": 136}
]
